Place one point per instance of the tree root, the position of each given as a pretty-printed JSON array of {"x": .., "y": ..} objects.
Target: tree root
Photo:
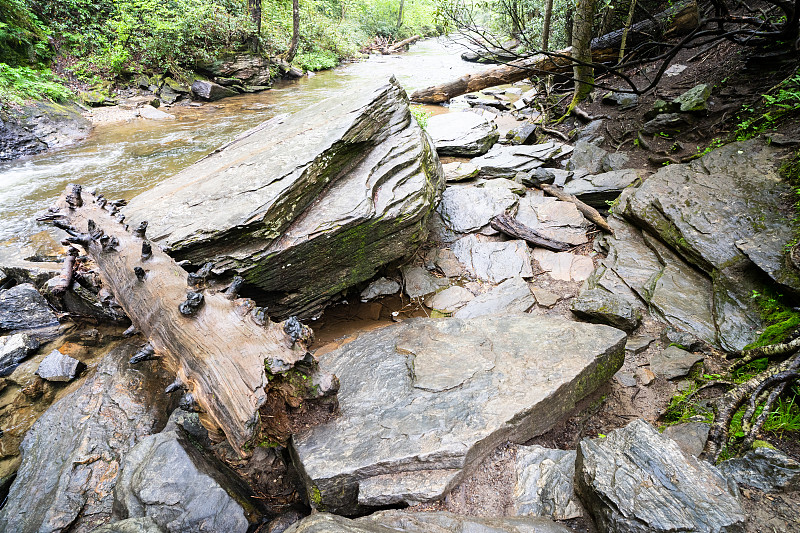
[
  {"x": 771, "y": 383},
  {"x": 773, "y": 351}
]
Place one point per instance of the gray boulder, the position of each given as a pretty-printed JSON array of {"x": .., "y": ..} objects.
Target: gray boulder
[
  {"x": 525, "y": 134},
  {"x": 637, "y": 480},
  {"x": 623, "y": 100},
  {"x": 14, "y": 349},
  {"x": 450, "y": 299},
  {"x": 424, "y": 401},
  {"x": 552, "y": 218},
  {"x": 459, "y": 171},
  {"x": 22, "y": 307},
  {"x": 492, "y": 260},
  {"x": 210, "y": 91},
  {"x": 702, "y": 209},
  {"x": 691, "y": 437},
  {"x": 40, "y": 126},
  {"x": 424, "y": 522},
  {"x": 673, "y": 362},
  {"x": 605, "y": 298},
  {"x": 766, "y": 250},
  {"x": 462, "y": 134},
  {"x": 668, "y": 123},
  {"x": 305, "y": 206},
  {"x": 507, "y": 161},
  {"x": 380, "y": 287},
  {"x": 765, "y": 469},
  {"x": 167, "y": 478},
  {"x": 246, "y": 68},
  {"x": 695, "y": 99},
  {"x": 469, "y": 208},
  {"x": 599, "y": 189},
  {"x": 510, "y": 297},
  {"x": 544, "y": 485},
  {"x": 418, "y": 282},
  {"x": 72, "y": 454},
  {"x": 586, "y": 158},
  {"x": 58, "y": 367}
]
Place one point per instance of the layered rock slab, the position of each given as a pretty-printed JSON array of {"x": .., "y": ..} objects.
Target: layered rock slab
[
  {"x": 424, "y": 401},
  {"x": 462, "y": 134},
  {"x": 637, "y": 480},
  {"x": 71, "y": 456},
  {"x": 307, "y": 205}
]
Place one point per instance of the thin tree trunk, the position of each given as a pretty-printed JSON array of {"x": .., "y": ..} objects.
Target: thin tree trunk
[
  {"x": 254, "y": 7},
  {"x": 400, "y": 14},
  {"x": 581, "y": 50},
  {"x": 626, "y": 30},
  {"x": 548, "y": 14},
  {"x": 295, "y": 31}
]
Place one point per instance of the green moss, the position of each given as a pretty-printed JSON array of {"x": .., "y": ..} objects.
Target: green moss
[
  {"x": 315, "y": 497},
  {"x": 779, "y": 318}
]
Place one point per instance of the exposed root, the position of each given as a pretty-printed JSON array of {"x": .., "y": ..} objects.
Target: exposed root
[{"x": 772, "y": 351}]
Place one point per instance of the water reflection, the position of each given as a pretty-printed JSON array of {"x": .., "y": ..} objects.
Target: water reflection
[{"x": 124, "y": 159}]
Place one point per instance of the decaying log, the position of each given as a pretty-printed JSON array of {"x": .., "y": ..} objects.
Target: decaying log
[
  {"x": 513, "y": 228},
  {"x": 220, "y": 353},
  {"x": 676, "y": 20},
  {"x": 590, "y": 213},
  {"x": 67, "y": 272},
  {"x": 397, "y": 46}
]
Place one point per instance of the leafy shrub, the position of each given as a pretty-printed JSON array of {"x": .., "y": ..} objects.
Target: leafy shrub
[{"x": 18, "y": 84}]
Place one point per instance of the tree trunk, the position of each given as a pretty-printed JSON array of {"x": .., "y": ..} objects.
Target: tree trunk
[
  {"x": 254, "y": 7},
  {"x": 548, "y": 14},
  {"x": 400, "y": 15},
  {"x": 676, "y": 20},
  {"x": 405, "y": 42},
  {"x": 581, "y": 50},
  {"x": 221, "y": 349},
  {"x": 295, "y": 31},
  {"x": 628, "y": 23}
]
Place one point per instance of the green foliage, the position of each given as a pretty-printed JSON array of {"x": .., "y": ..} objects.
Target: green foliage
[
  {"x": 420, "y": 115},
  {"x": 785, "y": 417},
  {"x": 18, "y": 84},
  {"x": 683, "y": 408},
  {"x": 23, "y": 38},
  {"x": 713, "y": 145},
  {"x": 316, "y": 60},
  {"x": 779, "y": 318},
  {"x": 779, "y": 103}
]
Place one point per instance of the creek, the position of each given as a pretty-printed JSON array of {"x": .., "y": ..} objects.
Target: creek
[{"x": 124, "y": 159}]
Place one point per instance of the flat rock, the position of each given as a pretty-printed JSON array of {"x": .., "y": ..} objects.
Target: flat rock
[
  {"x": 210, "y": 91},
  {"x": 380, "y": 287},
  {"x": 765, "y": 469},
  {"x": 522, "y": 134},
  {"x": 623, "y": 100},
  {"x": 638, "y": 343},
  {"x": 307, "y": 205},
  {"x": 604, "y": 297},
  {"x": 462, "y": 133},
  {"x": 166, "y": 477},
  {"x": 440, "y": 394},
  {"x": 691, "y": 437},
  {"x": 469, "y": 208},
  {"x": 22, "y": 307},
  {"x": 766, "y": 250},
  {"x": 450, "y": 300},
  {"x": 71, "y": 456},
  {"x": 143, "y": 524},
  {"x": 695, "y": 99},
  {"x": 598, "y": 189},
  {"x": 564, "y": 266},
  {"x": 544, "y": 483},
  {"x": 507, "y": 161},
  {"x": 544, "y": 297},
  {"x": 459, "y": 171},
  {"x": 14, "y": 349},
  {"x": 552, "y": 218},
  {"x": 626, "y": 379},
  {"x": 424, "y": 522},
  {"x": 446, "y": 262},
  {"x": 58, "y": 367},
  {"x": 493, "y": 261},
  {"x": 511, "y": 296},
  {"x": 637, "y": 480},
  {"x": 151, "y": 113},
  {"x": 418, "y": 282},
  {"x": 669, "y": 123},
  {"x": 673, "y": 362},
  {"x": 587, "y": 158}
]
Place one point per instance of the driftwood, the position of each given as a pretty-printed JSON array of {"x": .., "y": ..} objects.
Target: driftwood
[
  {"x": 64, "y": 280},
  {"x": 382, "y": 45},
  {"x": 397, "y": 46},
  {"x": 590, "y": 213},
  {"x": 513, "y": 228},
  {"x": 223, "y": 350},
  {"x": 676, "y": 20}
]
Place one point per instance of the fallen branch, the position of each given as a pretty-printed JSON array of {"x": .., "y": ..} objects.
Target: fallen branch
[
  {"x": 221, "y": 348},
  {"x": 512, "y": 227},
  {"x": 590, "y": 213},
  {"x": 405, "y": 42},
  {"x": 64, "y": 281}
]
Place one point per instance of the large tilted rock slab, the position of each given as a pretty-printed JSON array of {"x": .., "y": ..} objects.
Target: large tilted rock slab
[
  {"x": 726, "y": 214},
  {"x": 307, "y": 205},
  {"x": 425, "y": 400},
  {"x": 425, "y": 522},
  {"x": 71, "y": 456},
  {"x": 462, "y": 133},
  {"x": 638, "y": 480}
]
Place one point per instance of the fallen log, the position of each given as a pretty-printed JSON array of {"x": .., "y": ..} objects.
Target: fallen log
[
  {"x": 223, "y": 349},
  {"x": 397, "y": 46},
  {"x": 591, "y": 214},
  {"x": 513, "y": 228},
  {"x": 677, "y": 20}
]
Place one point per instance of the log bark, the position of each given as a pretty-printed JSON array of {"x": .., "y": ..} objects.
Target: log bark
[
  {"x": 590, "y": 213},
  {"x": 397, "y": 46},
  {"x": 220, "y": 349},
  {"x": 512, "y": 227},
  {"x": 677, "y": 20}
]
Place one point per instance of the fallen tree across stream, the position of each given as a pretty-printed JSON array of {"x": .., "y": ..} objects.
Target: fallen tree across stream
[
  {"x": 676, "y": 20},
  {"x": 223, "y": 349}
]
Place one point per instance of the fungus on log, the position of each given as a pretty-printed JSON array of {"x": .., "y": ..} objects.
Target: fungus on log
[{"x": 221, "y": 352}]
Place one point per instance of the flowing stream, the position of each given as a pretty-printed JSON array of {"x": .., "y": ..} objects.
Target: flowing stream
[{"x": 124, "y": 159}]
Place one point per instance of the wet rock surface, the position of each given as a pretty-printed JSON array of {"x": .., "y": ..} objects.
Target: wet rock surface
[
  {"x": 72, "y": 455},
  {"x": 598, "y": 190},
  {"x": 58, "y": 367},
  {"x": 14, "y": 349},
  {"x": 765, "y": 469},
  {"x": 131, "y": 525},
  {"x": 462, "y": 134},
  {"x": 544, "y": 485},
  {"x": 167, "y": 478},
  {"x": 466, "y": 209},
  {"x": 40, "y": 126},
  {"x": 673, "y": 362},
  {"x": 492, "y": 260},
  {"x": 23, "y": 308},
  {"x": 510, "y": 297},
  {"x": 349, "y": 183},
  {"x": 637, "y": 480},
  {"x": 507, "y": 161},
  {"x": 423, "y": 400}
]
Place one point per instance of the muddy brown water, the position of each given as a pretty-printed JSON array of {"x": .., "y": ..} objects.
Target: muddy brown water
[{"x": 124, "y": 159}]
